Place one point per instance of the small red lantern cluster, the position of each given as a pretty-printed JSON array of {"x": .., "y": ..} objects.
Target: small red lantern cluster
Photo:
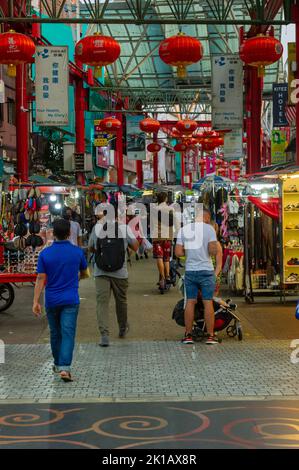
[
  {"x": 154, "y": 147},
  {"x": 15, "y": 49},
  {"x": 149, "y": 125},
  {"x": 186, "y": 126},
  {"x": 110, "y": 124},
  {"x": 261, "y": 51},
  {"x": 181, "y": 51},
  {"x": 97, "y": 51}
]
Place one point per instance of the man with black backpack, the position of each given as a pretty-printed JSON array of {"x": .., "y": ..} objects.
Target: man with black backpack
[{"x": 109, "y": 241}]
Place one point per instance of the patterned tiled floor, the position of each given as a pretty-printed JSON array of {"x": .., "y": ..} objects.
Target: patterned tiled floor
[
  {"x": 153, "y": 371},
  {"x": 267, "y": 424}
]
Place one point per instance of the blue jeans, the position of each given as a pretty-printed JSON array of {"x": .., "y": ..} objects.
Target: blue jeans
[{"x": 62, "y": 322}]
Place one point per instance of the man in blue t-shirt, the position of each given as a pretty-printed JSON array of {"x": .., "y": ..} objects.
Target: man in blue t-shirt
[{"x": 58, "y": 268}]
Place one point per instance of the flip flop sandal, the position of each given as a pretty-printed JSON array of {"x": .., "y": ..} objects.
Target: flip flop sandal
[{"x": 66, "y": 376}]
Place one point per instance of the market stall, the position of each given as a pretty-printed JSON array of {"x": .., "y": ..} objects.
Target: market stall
[{"x": 272, "y": 240}]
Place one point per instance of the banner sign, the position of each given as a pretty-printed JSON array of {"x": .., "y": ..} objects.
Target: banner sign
[
  {"x": 233, "y": 145},
  {"x": 280, "y": 99},
  {"x": 278, "y": 145},
  {"x": 101, "y": 139},
  {"x": 227, "y": 92},
  {"x": 135, "y": 139},
  {"x": 51, "y": 86},
  {"x": 291, "y": 67},
  {"x": 191, "y": 158}
]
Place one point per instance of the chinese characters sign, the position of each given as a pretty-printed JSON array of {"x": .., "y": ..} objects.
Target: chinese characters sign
[
  {"x": 51, "y": 85},
  {"x": 233, "y": 145},
  {"x": 227, "y": 92},
  {"x": 280, "y": 99}
]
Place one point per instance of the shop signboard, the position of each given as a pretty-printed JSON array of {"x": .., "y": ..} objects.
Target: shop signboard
[
  {"x": 291, "y": 69},
  {"x": 280, "y": 99},
  {"x": 227, "y": 92},
  {"x": 191, "y": 159},
  {"x": 51, "y": 86},
  {"x": 102, "y": 157},
  {"x": 278, "y": 145},
  {"x": 233, "y": 145},
  {"x": 135, "y": 139},
  {"x": 101, "y": 139}
]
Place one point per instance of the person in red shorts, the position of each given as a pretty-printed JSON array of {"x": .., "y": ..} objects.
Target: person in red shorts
[{"x": 163, "y": 236}]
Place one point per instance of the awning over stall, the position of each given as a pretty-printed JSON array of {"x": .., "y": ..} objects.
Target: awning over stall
[{"x": 269, "y": 207}]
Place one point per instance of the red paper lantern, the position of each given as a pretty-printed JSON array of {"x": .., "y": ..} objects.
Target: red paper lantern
[
  {"x": 221, "y": 171},
  {"x": 149, "y": 125},
  {"x": 218, "y": 162},
  {"x": 201, "y": 162},
  {"x": 186, "y": 126},
  {"x": 97, "y": 51},
  {"x": 110, "y": 124},
  {"x": 235, "y": 162},
  {"x": 180, "y": 51},
  {"x": 261, "y": 51},
  {"x": 15, "y": 49},
  {"x": 154, "y": 147},
  {"x": 180, "y": 147}
]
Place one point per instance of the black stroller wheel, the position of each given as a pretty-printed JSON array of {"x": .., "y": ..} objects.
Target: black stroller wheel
[
  {"x": 231, "y": 331},
  {"x": 240, "y": 333}
]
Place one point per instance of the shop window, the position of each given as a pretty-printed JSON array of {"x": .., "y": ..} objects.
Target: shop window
[{"x": 11, "y": 111}]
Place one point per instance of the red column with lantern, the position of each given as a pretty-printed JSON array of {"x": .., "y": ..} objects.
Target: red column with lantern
[
  {"x": 119, "y": 151},
  {"x": 79, "y": 123},
  {"x": 22, "y": 125},
  {"x": 139, "y": 169},
  {"x": 16, "y": 50}
]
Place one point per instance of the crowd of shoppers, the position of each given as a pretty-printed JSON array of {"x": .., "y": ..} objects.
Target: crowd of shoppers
[{"x": 61, "y": 265}]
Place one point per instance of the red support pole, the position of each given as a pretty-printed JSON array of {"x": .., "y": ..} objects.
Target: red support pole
[
  {"x": 183, "y": 168},
  {"x": 155, "y": 161},
  {"x": 253, "y": 127},
  {"x": 139, "y": 170},
  {"x": 22, "y": 126},
  {"x": 119, "y": 152},
  {"x": 79, "y": 124}
]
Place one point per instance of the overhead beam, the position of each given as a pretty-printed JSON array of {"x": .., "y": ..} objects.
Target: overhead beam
[{"x": 162, "y": 21}]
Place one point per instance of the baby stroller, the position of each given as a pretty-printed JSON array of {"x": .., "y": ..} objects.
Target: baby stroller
[{"x": 225, "y": 318}]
